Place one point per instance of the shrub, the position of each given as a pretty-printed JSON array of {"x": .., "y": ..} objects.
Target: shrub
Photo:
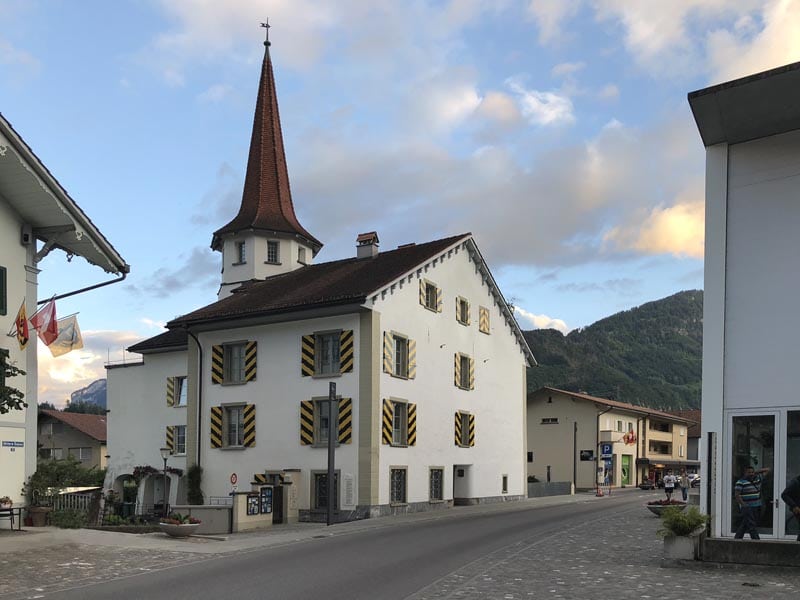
[
  {"x": 194, "y": 477},
  {"x": 69, "y": 518},
  {"x": 179, "y": 519},
  {"x": 675, "y": 521},
  {"x": 114, "y": 520},
  {"x": 57, "y": 474}
]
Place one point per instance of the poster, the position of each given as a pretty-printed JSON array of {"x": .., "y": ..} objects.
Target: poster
[
  {"x": 252, "y": 504},
  {"x": 266, "y": 500}
]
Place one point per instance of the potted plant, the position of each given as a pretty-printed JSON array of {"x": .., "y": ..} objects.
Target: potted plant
[
  {"x": 178, "y": 525},
  {"x": 657, "y": 507},
  {"x": 6, "y": 502},
  {"x": 681, "y": 531}
]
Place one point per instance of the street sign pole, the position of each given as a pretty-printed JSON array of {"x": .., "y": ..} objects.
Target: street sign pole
[{"x": 331, "y": 448}]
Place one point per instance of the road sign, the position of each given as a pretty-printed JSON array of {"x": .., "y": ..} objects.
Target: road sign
[
  {"x": 234, "y": 479},
  {"x": 606, "y": 450}
]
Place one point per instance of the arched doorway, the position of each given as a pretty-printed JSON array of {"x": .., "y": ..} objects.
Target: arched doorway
[{"x": 154, "y": 495}]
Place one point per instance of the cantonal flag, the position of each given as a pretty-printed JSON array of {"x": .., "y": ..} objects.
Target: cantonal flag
[
  {"x": 45, "y": 324},
  {"x": 69, "y": 336},
  {"x": 22, "y": 327}
]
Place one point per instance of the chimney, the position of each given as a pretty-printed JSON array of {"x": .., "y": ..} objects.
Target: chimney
[{"x": 367, "y": 245}]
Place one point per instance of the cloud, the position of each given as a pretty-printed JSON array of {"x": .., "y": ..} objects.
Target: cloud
[
  {"x": 620, "y": 286},
  {"x": 10, "y": 55},
  {"x": 59, "y": 377},
  {"x": 549, "y": 16},
  {"x": 538, "y": 321},
  {"x": 567, "y": 68},
  {"x": 215, "y": 93},
  {"x": 444, "y": 101},
  {"x": 542, "y": 108},
  {"x": 608, "y": 92},
  {"x": 221, "y": 202},
  {"x": 199, "y": 270}
]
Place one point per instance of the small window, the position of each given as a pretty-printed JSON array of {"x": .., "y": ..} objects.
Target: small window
[
  {"x": 549, "y": 421},
  {"x": 397, "y": 486},
  {"x": 680, "y": 451},
  {"x": 462, "y": 311},
  {"x": 530, "y": 457},
  {"x": 464, "y": 372},
  {"x": 233, "y": 362},
  {"x": 3, "y": 292},
  {"x": 52, "y": 453},
  {"x": 301, "y": 255},
  {"x": 400, "y": 424},
  {"x": 273, "y": 252},
  {"x": 505, "y": 484},
  {"x": 234, "y": 425},
  {"x": 400, "y": 356},
  {"x": 82, "y": 454},
  {"x": 431, "y": 296},
  {"x": 323, "y": 421},
  {"x": 437, "y": 485},
  {"x": 464, "y": 441},
  {"x": 619, "y": 425},
  {"x": 240, "y": 253},
  {"x": 683, "y": 430},
  {"x": 180, "y": 391},
  {"x": 180, "y": 439},
  {"x": 630, "y": 426},
  {"x": 327, "y": 350}
]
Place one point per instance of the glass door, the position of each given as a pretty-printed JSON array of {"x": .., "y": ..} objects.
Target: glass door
[
  {"x": 753, "y": 445},
  {"x": 788, "y": 526}
]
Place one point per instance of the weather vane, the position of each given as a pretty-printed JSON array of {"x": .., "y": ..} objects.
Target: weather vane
[{"x": 266, "y": 26}]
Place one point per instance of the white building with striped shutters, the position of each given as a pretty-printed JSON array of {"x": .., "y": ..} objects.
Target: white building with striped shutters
[{"x": 428, "y": 361}]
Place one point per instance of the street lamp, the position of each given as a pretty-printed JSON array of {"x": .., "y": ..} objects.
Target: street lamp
[{"x": 165, "y": 452}]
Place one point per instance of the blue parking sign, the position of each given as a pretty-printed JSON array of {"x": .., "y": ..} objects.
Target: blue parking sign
[{"x": 606, "y": 450}]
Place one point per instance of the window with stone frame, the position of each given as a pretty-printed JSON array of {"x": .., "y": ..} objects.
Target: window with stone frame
[{"x": 397, "y": 487}]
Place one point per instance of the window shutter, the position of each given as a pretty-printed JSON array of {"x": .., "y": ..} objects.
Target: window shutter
[
  {"x": 438, "y": 299},
  {"x": 457, "y": 371},
  {"x": 306, "y": 422},
  {"x": 345, "y": 429},
  {"x": 346, "y": 351},
  {"x": 422, "y": 292},
  {"x": 170, "y": 391},
  {"x": 307, "y": 352},
  {"x": 412, "y": 424},
  {"x": 469, "y": 314},
  {"x": 250, "y": 360},
  {"x": 216, "y": 427},
  {"x": 388, "y": 417},
  {"x": 217, "y": 364},
  {"x": 472, "y": 373},
  {"x": 388, "y": 353},
  {"x": 259, "y": 478},
  {"x": 458, "y": 429},
  {"x": 472, "y": 430},
  {"x": 249, "y": 421},
  {"x": 171, "y": 437},
  {"x": 412, "y": 359},
  {"x": 483, "y": 324}
]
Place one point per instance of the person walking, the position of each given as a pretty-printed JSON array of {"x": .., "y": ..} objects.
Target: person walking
[
  {"x": 791, "y": 495},
  {"x": 683, "y": 481},
  {"x": 747, "y": 492},
  {"x": 669, "y": 484}
]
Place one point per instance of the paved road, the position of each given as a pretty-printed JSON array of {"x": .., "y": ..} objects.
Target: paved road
[{"x": 385, "y": 563}]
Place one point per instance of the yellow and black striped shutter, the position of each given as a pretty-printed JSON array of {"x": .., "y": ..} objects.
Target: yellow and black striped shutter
[
  {"x": 217, "y": 363},
  {"x": 388, "y": 417},
  {"x": 422, "y": 292},
  {"x": 307, "y": 355},
  {"x": 170, "y": 391},
  {"x": 249, "y": 421},
  {"x": 472, "y": 373},
  {"x": 259, "y": 478},
  {"x": 469, "y": 314},
  {"x": 250, "y": 360},
  {"x": 412, "y": 359},
  {"x": 346, "y": 351},
  {"x": 483, "y": 323},
  {"x": 412, "y": 424},
  {"x": 438, "y": 299},
  {"x": 171, "y": 437},
  {"x": 306, "y": 422},
  {"x": 345, "y": 433},
  {"x": 457, "y": 370},
  {"x": 216, "y": 427},
  {"x": 388, "y": 354},
  {"x": 472, "y": 430},
  {"x": 458, "y": 429}
]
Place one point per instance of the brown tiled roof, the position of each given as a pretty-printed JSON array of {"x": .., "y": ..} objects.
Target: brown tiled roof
[
  {"x": 172, "y": 339},
  {"x": 345, "y": 281},
  {"x": 693, "y": 414},
  {"x": 267, "y": 197},
  {"x": 92, "y": 425},
  {"x": 621, "y": 405}
]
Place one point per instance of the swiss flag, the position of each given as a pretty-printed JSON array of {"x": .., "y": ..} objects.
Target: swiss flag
[{"x": 45, "y": 323}]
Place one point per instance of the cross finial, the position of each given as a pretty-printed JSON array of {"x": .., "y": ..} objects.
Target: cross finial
[{"x": 266, "y": 26}]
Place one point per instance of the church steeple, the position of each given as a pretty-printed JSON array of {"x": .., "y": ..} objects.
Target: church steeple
[{"x": 267, "y": 210}]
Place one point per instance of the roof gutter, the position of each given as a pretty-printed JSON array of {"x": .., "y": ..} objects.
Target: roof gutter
[{"x": 123, "y": 275}]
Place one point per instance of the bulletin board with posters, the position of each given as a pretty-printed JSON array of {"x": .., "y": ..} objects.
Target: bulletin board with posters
[
  {"x": 266, "y": 500},
  {"x": 252, "y": 504}
]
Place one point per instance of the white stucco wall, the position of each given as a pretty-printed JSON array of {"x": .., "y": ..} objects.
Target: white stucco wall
[{"x": 136, "y": 399}]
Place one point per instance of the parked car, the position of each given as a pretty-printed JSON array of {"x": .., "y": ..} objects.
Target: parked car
[
  {"x": 694, "y": 479},
  {"x": 647, "y": 484}
]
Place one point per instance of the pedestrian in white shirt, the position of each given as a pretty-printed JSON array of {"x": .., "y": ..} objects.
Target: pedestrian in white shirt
[{"x": 669, "y": 484}]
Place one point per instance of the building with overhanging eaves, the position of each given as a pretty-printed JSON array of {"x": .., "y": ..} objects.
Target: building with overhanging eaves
[{"x": 428, "y": 361}]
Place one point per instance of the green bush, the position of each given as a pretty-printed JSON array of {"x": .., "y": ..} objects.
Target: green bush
[
  {"x": 115, "y": 520},
  {"x": 69, "y": 518},
  {"x": 675, "y": 521},
  {"x": 58, "y": 474}
]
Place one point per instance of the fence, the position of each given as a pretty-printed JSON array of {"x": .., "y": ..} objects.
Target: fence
[{"x": 82, "y": 502}]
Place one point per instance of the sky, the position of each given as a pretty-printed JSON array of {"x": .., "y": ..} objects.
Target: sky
[{"x": 556, "y": 131}]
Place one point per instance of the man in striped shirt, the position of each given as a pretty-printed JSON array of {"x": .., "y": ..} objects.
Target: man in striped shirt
[{"x": 748, "y": 496}]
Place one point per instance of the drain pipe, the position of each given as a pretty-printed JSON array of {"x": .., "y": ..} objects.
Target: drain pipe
[
  {"x": 124, "y": 274},
  {"x": 199, "y": 391}
]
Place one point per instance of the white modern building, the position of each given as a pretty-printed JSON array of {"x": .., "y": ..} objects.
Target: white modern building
[
  {"x": 751, "y": 407},
  {"x": 427, "y": 360},
  {"x": 36, "y": 216}
]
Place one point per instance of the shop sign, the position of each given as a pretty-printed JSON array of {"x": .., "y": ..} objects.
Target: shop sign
[
  {"x": 587, "y": 454},
  {"x": 606, "y": 450}
]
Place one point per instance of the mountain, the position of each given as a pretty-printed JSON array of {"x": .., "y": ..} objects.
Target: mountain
[
  {"x": 94, "y": 393},
  {"x": 650, "y": 355}
]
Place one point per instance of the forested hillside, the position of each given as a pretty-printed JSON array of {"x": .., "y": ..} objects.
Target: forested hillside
[{"x": 649, "y": 355}]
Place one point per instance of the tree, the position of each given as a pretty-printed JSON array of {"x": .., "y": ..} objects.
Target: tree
[
  {"x": 81, "y": 406},
  {"x": 10, "y": 398},
  {"x": 47, "y": 406}
]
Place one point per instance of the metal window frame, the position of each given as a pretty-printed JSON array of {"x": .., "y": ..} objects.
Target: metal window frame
[
  {"x": 227, "y": 366},
  {"x": 226, "y": 422},
  {"x": 404, "y": 430},
  {"x": 318, "y": 335},
  {"x": 430, "y": 484},
  {"x": 277, "y": 245},
  {"x": 404, "y": 470}
]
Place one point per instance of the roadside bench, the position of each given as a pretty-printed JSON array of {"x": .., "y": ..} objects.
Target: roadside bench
[{"x": 11, "y": 514}]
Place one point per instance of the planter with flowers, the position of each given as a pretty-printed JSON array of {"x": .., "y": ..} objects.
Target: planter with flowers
[
  {"x": 178, "y": 525},
  {"x": 6, "y": 502},
  {"x": 681, "y": 531},
  {"x": 657, "y": 507}
]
